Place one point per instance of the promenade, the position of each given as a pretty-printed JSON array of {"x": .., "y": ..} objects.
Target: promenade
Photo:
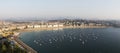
[{"x": 27, "y": 48}]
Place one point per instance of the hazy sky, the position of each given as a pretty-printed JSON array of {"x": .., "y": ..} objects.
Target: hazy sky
[{"x": 99, "y": 9}]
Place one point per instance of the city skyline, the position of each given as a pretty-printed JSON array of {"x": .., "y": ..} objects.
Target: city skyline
[{"x": 91, "y": 9}]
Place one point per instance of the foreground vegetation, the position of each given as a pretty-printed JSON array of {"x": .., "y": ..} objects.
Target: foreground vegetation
[{"x": 7, "y": 46}]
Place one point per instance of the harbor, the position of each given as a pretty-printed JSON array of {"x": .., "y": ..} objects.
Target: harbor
[{"x": 16, "y": 29}]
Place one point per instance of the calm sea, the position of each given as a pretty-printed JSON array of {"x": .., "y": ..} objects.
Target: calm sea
[{"x": 74, "y": 40}]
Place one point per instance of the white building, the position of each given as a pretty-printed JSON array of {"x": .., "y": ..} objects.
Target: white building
[
  {"x": 49, "y": 26},
  {"x": 43, "y": 25},
  {"x": 30, "y": 26},
  {"x": 60, "y": 25},
  {"x": 55, "y": 25},
  {"x": 37, "y": 26},
  {"x": 21, "y": 27}
]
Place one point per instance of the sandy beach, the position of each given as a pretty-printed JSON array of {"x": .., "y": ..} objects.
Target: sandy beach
[{"x": 57, "y": 28}]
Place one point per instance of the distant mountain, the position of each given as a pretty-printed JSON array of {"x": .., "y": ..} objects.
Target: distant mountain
[
  {"x": 29, "y": 19},
  {"x": 19, "y": 19}
]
